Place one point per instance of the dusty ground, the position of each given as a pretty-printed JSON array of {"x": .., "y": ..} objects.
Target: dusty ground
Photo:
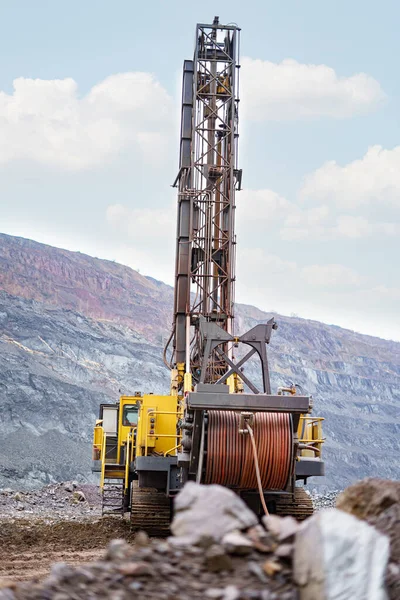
[
  {"x": 62, "y": 524},
  {"x": 51, "y": 525},
  {"x": 29, "y": 547}
]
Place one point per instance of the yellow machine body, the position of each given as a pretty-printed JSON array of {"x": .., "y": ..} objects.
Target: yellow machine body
[
  {"x": 157, "y": 421},
  {"x": 144, "y": 426}
]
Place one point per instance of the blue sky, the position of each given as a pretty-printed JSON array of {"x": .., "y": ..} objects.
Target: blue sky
[{"x": 87, "y": 154}]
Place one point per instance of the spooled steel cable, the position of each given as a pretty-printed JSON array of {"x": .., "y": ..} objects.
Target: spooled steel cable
[
  {"x": 230, "y": 454},
  {"x": 257, "y": 468}
]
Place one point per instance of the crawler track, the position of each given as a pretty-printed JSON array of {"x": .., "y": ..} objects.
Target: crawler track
[
  {"x": 150, "y": 511},
  {"x": 300, "y": 507}
]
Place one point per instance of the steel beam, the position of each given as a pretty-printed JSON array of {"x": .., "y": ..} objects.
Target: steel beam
[{"x": 248, "y": 402}]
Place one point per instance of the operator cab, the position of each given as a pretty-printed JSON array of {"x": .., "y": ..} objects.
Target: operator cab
[{"x": 130, "y": 415}]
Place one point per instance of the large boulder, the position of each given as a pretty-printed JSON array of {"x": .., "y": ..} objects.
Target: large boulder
[
  {"x": 377, "y": 501},
  {"x": 204, "y": 514},
  {"x": 369, "y": 498},
  {"x": 339, "y": 556}
]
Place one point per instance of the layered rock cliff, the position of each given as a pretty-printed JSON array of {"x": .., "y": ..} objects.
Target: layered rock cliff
[{"x": 76, "y": 331}]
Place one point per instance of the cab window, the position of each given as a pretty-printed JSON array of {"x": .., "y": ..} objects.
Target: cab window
[{"x": 130, "y": 416}]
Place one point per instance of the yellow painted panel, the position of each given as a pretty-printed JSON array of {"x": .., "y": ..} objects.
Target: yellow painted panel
[{"x": 158, "y": 414}]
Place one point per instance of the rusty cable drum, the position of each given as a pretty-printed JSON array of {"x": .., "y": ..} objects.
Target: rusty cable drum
[{"x": 230, "y": 460}]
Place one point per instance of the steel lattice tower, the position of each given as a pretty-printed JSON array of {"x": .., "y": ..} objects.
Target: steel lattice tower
[{"x": 207, "y": 180}]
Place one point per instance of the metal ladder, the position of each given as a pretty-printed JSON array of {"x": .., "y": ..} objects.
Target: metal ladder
[{"x": 113, "y": 496}]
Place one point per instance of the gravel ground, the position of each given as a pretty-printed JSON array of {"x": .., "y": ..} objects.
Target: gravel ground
[
  {"x": 72, "y": 501},
  {"x": 60, "y": 523},
  {"x": 147, "y": 569},
  {"x": 68, "y": 501},
  {"x": 54, "y": 545},
  {"x": 326, "y": 500}
]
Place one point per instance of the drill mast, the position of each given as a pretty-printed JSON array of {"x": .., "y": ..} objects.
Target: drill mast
[
  {"x": 207, "y": 179},
  {"x": 234, "y": 432}
]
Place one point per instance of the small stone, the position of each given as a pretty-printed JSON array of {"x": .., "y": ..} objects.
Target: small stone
[
  {"x": 282, "y": 528},
  {"x": 135, "y": 586},
  {"x": 231, "y": 592},
  {"x": 271, "y": 567},
  {"x": 255, "y": 569},
  {"x": 262, "y": 540},
  {"x": 75, "y": 484},
  {"x": 79, "y": 496},
  {"x": 18, "y": 497},
  {"x": 135, "y": 569},
  {"x": 61, "y": 572},
  {"x": 68, "y": 487},
  {"x": 142, "y": 539},
  {"x": 214, "y": 593},
  {"x": 237, "y": 543},
  {"x": 162, "y": 548},
  {"x": 7, "y": 594},
  {"x": 216, "y": 560},
  {"x": 168, "y": 569},
  {"x": 20, "y": 506},
  {"x": 118, "y": 550},
  {"x": 196, "y": 585},
  {"x": 272, "y": 523},
  {"x": 118, "y": 595},
  {"x": 284, "y": 550}
]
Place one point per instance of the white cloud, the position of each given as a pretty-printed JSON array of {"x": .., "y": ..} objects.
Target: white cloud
[
  {"x": 254, "y": 203},
  {"x": 373, "y": 179},
  {"x": 146, "y": 238},
  {"x": 332, "y": 293},
  {"x": 264, "y": 211},
  {"x": 142, "y": 222},
  {"x": 358, "y": 227},
  {"x": 331, "y": 276},
  {"x": 291, "y": 90},
  {"x": 262, "y": 266},
  {"x": 47, "y": 121},
  {"x": 319, "y": 223}
]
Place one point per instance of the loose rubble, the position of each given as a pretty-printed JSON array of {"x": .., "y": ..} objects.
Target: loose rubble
[
  {"x": 324, "y": 500},
  {"x": 163, "y": 569},
  {"x": 61, "y": 501},
  {"x": 218, "y": 549}
]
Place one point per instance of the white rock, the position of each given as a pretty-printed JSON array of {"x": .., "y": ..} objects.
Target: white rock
[
  {"x": 281, "y": 527},
  {"x": 337, "y": 556},
  {"x": 235, "y": 542},
  {"x": 205, "y": 513}
]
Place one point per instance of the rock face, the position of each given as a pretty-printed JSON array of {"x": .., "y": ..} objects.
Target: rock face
[{"x": 76, "y": 331}]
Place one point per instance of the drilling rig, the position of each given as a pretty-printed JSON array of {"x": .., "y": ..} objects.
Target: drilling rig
[{"x": 218, "y": 424}]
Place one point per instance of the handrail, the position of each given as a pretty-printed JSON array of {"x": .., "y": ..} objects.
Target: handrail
[
  {"x": 308, "y": 427},
  {"x": 127, "y": 462},
  {"x": 168, "y": 435},
  {"x": 172, "y": 449},
  {"x": 98, "y": 444},
  {"x": 103, "y": 460}
]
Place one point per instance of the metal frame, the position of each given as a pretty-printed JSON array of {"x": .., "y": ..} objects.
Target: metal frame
[
  {"x": 207, "y": 179},
  {"x": 212, "y": 337}
]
